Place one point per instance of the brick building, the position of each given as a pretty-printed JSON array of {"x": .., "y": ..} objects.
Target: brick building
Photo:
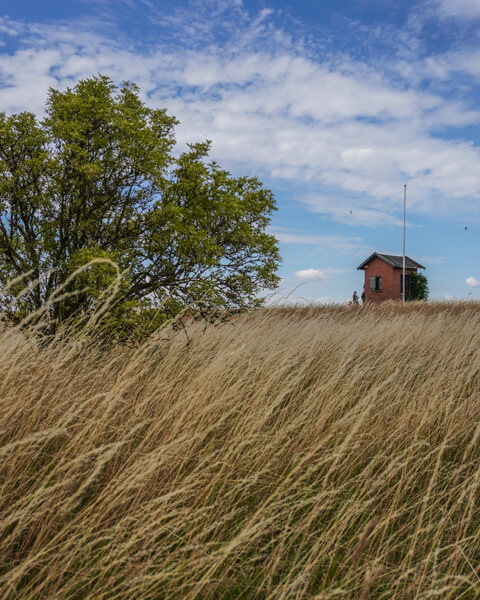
[{"x": 383, "y": 276}]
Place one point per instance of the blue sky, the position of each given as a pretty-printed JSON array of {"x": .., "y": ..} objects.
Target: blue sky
[{"x": 334, "y": 105}]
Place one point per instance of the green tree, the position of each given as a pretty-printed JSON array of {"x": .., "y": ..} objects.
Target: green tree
[
  {"x": 418, "y": 287},
  {"x": 97, "y": 179}
]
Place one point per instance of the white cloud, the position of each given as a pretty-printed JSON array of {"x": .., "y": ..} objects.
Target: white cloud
[
  {"x": 431, "y": 260},
  {"x": 350, "y": 210},
  {"x": 472, "y": 282},
  {"x": 458, "y": 67},
  {"x": 267, "y": 117},
  {"x": 312, "y": 275},
  {"x": 329, "y": 123},
  {"x": 463, "y": 9},
  {"x": 9, "y": 27},
  {"x": 349, "y": 245}
]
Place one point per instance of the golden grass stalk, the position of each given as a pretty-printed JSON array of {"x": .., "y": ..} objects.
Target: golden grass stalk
[{"x": 290, "y": 453}]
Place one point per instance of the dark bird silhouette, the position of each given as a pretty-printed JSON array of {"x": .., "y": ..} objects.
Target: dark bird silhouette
[
  {"x": 466, "y": 228},
  {"x": 351, "y": 212}
]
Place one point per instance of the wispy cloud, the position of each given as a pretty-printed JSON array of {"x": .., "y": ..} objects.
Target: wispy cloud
[
  {"x": 274, "y": 107},
  {"x": 431, "y": 260},
  {"x": 463, "y": 9},
  {"x": 351, "y": 210},
  {"x": 349, "y": 245},
  {"x": 10, "y": 27}
]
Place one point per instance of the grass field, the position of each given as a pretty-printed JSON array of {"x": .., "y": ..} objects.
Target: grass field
[{"x": 290, "y": 453}]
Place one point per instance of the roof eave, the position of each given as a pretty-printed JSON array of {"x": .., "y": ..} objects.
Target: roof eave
[
  {"x": 363, "y": 265},
  {"x": 371, "y": 257}
]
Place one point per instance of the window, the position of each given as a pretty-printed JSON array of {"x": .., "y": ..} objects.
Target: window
[{"x": 375, "y": 284}]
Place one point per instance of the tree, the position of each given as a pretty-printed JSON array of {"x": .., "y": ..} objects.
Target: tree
[
  {"x": 97, "y": 179},
  {"x": 418, "y": 287}
]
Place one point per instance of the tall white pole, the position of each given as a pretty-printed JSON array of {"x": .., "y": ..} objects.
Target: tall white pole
[{"x": 404, "y": 226}]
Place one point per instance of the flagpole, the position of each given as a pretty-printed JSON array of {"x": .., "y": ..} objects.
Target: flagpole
[{"x": 404, "y": 225}]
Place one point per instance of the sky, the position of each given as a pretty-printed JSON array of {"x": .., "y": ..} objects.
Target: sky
[{"x": 333, "y": 105}]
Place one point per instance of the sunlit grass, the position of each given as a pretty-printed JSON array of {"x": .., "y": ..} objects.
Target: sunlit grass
[{"x": 290, "y": 453}]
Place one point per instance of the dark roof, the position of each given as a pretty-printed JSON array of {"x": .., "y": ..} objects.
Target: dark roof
[{"x": 394, "y": 261}]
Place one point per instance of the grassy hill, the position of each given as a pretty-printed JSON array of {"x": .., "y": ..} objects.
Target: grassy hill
[{"x": 290, "y": 453}]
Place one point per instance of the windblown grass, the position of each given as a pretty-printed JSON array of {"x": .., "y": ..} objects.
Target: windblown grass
[{"x": 291, "y": 453}]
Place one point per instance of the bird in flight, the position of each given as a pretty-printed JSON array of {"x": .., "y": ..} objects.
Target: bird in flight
[{"x": 466, "y": 227}]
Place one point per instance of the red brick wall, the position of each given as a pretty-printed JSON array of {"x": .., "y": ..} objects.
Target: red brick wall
[{"x": 391, "y": 281}]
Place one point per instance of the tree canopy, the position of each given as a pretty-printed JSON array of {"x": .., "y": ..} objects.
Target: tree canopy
[
  {"x": 418, "y": 287},
  {"x": 98, "y": 178}
]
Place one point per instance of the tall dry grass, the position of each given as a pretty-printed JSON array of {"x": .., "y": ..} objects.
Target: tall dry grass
[{"x": 290, "y": 453}]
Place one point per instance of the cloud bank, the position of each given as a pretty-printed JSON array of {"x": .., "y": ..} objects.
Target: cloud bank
[{"x": 346, "y": 132}]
